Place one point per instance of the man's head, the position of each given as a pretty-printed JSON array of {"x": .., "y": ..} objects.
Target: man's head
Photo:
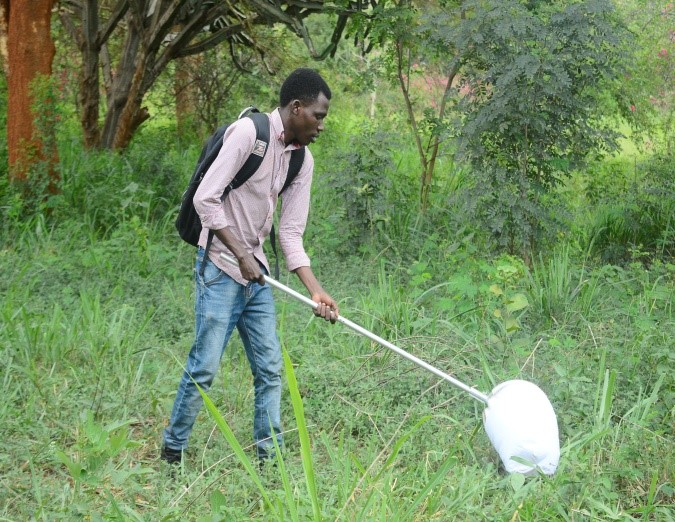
[{"x": 304, "y": 100}]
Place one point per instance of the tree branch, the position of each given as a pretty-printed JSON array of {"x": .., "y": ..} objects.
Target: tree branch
[
  {"x": 161, "y": 26},
  {"x": 106, "y": 65},
  {"x": 454, "y": 69},
  {"x": 117, "y": 15},
  {"x": 188, "y": 31},
  {"x": 68, "y": 24},
  {"x": 408, "y": 103},
  {"x": 137, "y": 11},
  {"x": 321, "y": 7},
  {"x": 210, "y": 42},
  {"x": 278, "y": 15}
]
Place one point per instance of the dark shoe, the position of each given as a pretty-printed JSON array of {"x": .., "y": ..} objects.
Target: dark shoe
[
  {"x": 267, "y": 463},
  {"x": 171, "y": 456}
]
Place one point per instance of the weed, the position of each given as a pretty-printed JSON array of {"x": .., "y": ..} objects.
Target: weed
[{"x": 96, "y": 307}]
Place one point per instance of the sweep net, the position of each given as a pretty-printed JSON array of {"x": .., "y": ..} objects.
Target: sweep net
[{"x": 521, "y": 423}]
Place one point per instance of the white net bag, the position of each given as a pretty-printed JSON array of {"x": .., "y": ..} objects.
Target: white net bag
[{"x": 521, "y": 423}]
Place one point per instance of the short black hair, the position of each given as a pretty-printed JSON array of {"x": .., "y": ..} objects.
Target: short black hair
[{"x": 303, "y": 84}]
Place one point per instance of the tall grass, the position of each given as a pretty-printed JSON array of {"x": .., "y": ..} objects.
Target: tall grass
[
  {"x": 557, "y": 284},
  {"x": 96, "y": 308},
  {"x": 362, "y": 488}
]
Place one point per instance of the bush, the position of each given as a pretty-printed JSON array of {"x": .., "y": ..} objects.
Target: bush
[
  {"x": 637, "y": 218},
  {"x": 355, "y": 191},
  {"x": 146, "y": 180}
]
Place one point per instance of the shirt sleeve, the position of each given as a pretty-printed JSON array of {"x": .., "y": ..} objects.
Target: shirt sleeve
[
  {"x": 238, "y": 143},
  {"x": 294, "y": 212}
]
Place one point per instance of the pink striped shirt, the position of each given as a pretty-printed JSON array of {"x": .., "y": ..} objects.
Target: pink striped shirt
[{"x": 248, "y": 210}]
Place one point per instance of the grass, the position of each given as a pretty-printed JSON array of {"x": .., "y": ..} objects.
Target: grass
[
  {"x": 93, "y": 335},
  {"x": 96, "y": 318}
]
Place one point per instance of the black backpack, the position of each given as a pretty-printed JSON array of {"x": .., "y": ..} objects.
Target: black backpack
[{"x": 188, "y": 224}]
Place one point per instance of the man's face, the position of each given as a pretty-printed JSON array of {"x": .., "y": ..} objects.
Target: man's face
[{"x": 308, "y": 119}]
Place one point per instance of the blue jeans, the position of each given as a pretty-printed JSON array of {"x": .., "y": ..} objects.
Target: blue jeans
[{"x": 221, "y": 304}]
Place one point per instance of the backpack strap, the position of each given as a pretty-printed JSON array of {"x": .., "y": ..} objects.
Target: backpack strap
[
  {"x": 294, "y": 166},
  {"x": 250, "y": 166}
]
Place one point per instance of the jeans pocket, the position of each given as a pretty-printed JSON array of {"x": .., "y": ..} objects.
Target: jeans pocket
[{"x": 212, "y": 274}]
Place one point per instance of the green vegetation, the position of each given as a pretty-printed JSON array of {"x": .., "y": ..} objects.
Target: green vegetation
[{"x": 96, "y": 318}]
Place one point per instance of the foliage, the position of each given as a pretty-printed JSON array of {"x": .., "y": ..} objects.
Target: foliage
[
  {"x": 98, "y": 446},
  {"x": 113, "y": 323},
  {"x": 358, "y": 179},
  {"x": 37, "y": 191},
  {"x": 634, "y": 216},
  {"x": 96, "y": 317},
  {"x": 416, "y": 42},
  {"x": 648, "y": 103},
  {"x": 145, "y": 181},
  {"x": 134, "y": 43},
  {"x": 556, "y": 284},
  {"x": 530, "y": 82},
  {"x": 218, "y": 89}
]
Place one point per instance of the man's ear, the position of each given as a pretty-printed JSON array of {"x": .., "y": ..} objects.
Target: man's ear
[{"x": 295, "y": 107}]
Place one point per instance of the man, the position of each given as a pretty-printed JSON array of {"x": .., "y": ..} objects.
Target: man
[{"x": 229, "y": 297}]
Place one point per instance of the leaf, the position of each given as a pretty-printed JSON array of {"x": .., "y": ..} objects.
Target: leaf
[
  {"x": 75, "y": 468},
  {"x": 303, "y": 434},
  {"x": 227, "y": 432},
  {"x": 433, "y": 482},
  {"x": 131, "y": 187},
  {"x": 399, "y": 444},
  {"x": 444, "y": 304},
  {"x": 517, "y": 302},
  {"x": 496, "y": 290},
  {"x": 217, "y": 501},
  {"x": 511, "y": 325},
  {"x": 517, "y": 481},
  {"x": 507, "y": 270}
]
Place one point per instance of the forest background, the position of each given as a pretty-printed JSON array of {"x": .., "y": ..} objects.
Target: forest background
[{"x": 494, "y": 192}]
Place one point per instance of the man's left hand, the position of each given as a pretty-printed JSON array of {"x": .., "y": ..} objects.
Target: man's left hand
[{"x": 328, "y": 308}]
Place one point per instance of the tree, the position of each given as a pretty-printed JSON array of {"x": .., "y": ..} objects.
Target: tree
[
  {"x": 211, "y": 81},
  {"x": 152, "y": 33},
  {"x": 530, "y": 88},
  {"x": 28, "y": 51},
  {"x": 650, "y": 104},
  {"x": 185, "y": 92},
  {"x": 418, "y": 47}
]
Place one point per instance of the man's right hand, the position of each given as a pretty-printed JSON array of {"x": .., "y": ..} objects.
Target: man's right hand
[
  {"x": 248, "y": 265},
  {"x": 250, "y": 269}
]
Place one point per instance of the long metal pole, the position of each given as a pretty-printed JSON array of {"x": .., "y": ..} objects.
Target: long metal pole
[{"x": 359, "y": 329}]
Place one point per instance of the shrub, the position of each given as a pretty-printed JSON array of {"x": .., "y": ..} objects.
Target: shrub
[
  {"x": 146, "y": 180},
  {"x": 638, "y": 218},
  {"x": 355, "y": 190}
]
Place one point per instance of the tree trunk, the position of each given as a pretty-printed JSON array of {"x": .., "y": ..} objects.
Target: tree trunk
[
  {"x": 132, "y": 114},
  {"x": 89, "y": 96},
  {"x": 120, "y": 92},
  {"x": 30, "y": 51},
  {"x": 186, "y": 94},
  {"x": 4, "y": 21}
]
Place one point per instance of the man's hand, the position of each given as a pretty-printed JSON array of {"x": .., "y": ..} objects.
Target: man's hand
[
  {"x": 250, "y": 269},
  {"x": 248, "y": 265},
  {"x": 327, "y": 308}
]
